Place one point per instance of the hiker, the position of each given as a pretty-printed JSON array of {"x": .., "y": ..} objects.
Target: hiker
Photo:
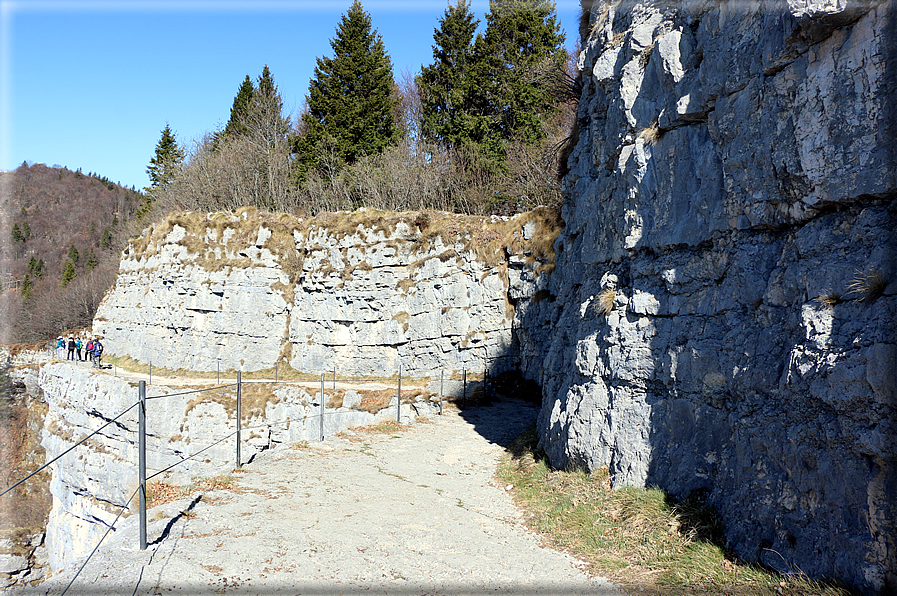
[
  {"x": 60, "y": 348},
  {"x": 78, "y": 347},
  {"x": 97, "y": 354},
  {"x": 71, "y": 346},
  {"x": 88, "y": 352}
]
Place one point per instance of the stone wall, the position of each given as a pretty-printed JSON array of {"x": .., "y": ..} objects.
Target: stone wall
[
  {"x": 725, "y": 284},
  {"x": 360, "y": 293}
]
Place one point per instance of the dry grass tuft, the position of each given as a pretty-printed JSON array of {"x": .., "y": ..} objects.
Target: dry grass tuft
[
  {"x": 606, "y": 302},
  {"x": 829, "y": 298},
  {"x": 651, "y": 134},
  {"x": 869, "y": 285},
  {"x": 383, "y": 428}
]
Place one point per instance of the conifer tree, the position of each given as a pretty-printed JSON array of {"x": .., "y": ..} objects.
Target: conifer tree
[
  {"x": 163, "y": 167},
  {"x": 16, "y": 233},
  {"x": 91, "y": 261},
  {"x": 509, "y": 101},
  {"x": 39, "y": 269},
  {"x": 26, "y": 287},
  {"x": 26, "y": 231},
  {"x": 68, "y": 273},
  {"x": 350, "y": 99},
  {"x": 235, "y": 126},
  {"x": 73, "y": 254},
  {"x": 444, "y": 86}
]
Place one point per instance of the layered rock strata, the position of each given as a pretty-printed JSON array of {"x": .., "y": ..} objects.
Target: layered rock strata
[
  {"x": 725, "y": 284},
  {"x": 362, "y": 294}
]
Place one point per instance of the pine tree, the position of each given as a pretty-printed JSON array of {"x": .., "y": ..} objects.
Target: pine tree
[
  {"x": 16, "y": 233},
  {"x": 32, "y": 264},
  {"x": 26, "y": 232},
  {"x": 73, "y": 254},
  {"x": 106, "y": 238},
  {"x": 163, "y": 168},
  {"x": 68, "y": 273},
  {"x": 444, "y": 85},
  {"x": 264, "y": 119},
  {"x": 91, "y": 261},
  {"x": 235, "y": 126},
  {"x": 510, "y": 97},
  {"x": 26, "y": 287},
  {"x": 39, "y": 269},
  {"x": 350, "y": 99}
]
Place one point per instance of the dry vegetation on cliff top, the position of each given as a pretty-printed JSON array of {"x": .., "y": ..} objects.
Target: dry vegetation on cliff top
[
  {"x": 219, "y": 238},
  {"x": 641, "y": 539}
]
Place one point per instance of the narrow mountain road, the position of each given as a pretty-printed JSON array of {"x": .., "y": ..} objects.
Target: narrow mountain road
[{"x": 415, "y": 512}]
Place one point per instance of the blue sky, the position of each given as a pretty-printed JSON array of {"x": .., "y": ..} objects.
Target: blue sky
[{"x": 91, "y": 84}]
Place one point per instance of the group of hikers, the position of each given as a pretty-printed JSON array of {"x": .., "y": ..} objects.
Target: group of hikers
[{"x": 74, "y": 348}]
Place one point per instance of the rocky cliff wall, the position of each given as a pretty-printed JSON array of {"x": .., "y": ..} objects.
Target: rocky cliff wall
[
  {"x": 360, "y": 293},
  {"x": 725, "y": 284}
]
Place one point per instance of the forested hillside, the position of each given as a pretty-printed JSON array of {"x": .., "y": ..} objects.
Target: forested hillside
[{"x": 60, "y": 237}]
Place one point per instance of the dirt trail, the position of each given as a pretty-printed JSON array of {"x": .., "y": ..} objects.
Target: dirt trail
[{"x": 416, "y": 512}]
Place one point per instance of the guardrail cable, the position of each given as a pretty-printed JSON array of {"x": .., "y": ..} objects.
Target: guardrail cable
[
  {"x": 69, "y": 449},
  {"x": 112, "y": 525},
  {"x": 189, "y": 457},
  {"x": 148, "y": 397}
]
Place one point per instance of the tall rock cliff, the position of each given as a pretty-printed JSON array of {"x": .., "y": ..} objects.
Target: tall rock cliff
[
  {"x": 725, "y": 284},
  {"x": 360, "y": 293}
]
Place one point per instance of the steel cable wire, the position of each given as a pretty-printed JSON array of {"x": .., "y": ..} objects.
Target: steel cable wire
[
  {"x": 112, "y": 525},
  {"x": 191, "y": 391},
  {"x": 69, "y": 449}
]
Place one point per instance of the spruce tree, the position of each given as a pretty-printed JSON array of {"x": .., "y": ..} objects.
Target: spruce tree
[
  {"x": 26, "y": 287},
  {"x": 73, "y": 254},
  {"x": 444, "y": 86},
  {"x": 235, "y": 126},
  {"x": 39, "y": 269},
  {"x": 350, "y": 99},
  {"x": 26, "y": 231},
  {"x": 264, "y": 115},
  {"x": 91, "y": 261},
  {"x": 68, "y": 273},
  {"x": 163, "y": 168},
  {"x": 16, "y": 233},
  {"x": 510, "y": 98}
]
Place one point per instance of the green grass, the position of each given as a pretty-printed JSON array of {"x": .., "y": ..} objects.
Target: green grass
[{"x": 640, "y": 538}]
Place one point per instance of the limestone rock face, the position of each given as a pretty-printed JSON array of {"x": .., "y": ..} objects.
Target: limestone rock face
[
  {"x": 731, "y": 197},
  {"x": 356, "y": 293}
]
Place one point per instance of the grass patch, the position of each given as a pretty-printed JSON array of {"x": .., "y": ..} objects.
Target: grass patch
[
  {"x": 640, "y": 538},
  {"x": 382, "y": 428},
  {"x": 160, "y": 493},
  {"x": 868, "y": 285}
]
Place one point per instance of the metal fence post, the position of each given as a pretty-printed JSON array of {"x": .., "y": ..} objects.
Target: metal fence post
[
  {"x": 399, "y": 398},
  {"x": 322, "y": 406},
  {"x": 141, "y": 464},
  {"x": 441, "y": 373},
  {"x": 239, "y": 412}
]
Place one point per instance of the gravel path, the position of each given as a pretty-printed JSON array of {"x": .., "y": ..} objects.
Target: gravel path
[{"x": 417, "y": 512}]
